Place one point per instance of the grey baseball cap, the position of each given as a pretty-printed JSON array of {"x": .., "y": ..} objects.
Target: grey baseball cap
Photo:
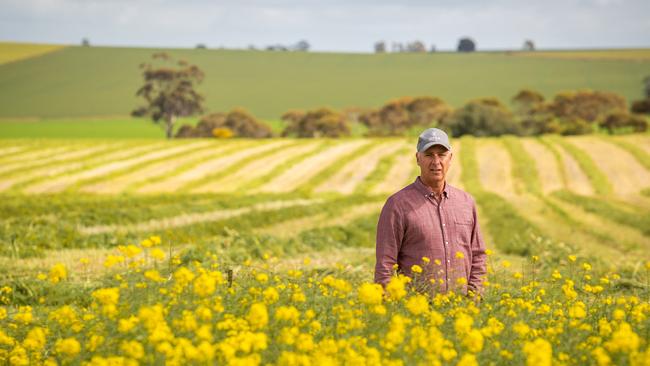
[{"x": 433, "y": 136}]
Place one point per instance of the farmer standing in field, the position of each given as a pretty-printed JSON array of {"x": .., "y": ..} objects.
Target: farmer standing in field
[{"x": 432, "y": 225}]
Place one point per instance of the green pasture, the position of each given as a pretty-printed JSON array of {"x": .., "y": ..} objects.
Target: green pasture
[{"x": 102, "y": 81}]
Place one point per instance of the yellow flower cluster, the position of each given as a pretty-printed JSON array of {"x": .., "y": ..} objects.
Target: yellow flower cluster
[{"x": 206, "y": 312}]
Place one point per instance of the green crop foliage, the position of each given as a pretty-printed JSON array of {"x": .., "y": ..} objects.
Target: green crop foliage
[
  {"x": 523, "y": 165},
  {"x": 639, "y": 154},
  {"x": 632, "y": 217},
  {"x": 598, "y": 179},
  {"x": 511, "y": 232}
]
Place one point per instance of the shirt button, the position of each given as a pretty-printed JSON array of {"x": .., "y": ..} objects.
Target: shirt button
[
  {"x": 448, "y": 261},
  {"x": 443, "y": 224},
  {"x": 446, "y": 242}
]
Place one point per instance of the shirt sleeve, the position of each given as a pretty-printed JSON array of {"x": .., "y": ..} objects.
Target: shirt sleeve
[
  {"x": 390, "y": 232},
  {"x": 479, "y": 258}
]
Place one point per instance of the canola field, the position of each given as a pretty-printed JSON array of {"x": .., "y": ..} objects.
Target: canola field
[{"x": 250, "y": 252}]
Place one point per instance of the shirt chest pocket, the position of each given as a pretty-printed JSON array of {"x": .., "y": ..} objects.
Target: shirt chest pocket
[
  {"x": 463, "y": 216},
  {"x": 463, "y": 225}
]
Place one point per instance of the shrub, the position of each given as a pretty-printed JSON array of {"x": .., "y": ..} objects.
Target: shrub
[
  {"x": 322, "y": 122},
  {"x": 239, "y": 122},
  {"x": 587, "y": 105},
  {"x": 397, "y": 116},
  {"x": 623, "y": 121},
  {"x": 482, "y": 117},
  {"x": 641, "y": 106}
]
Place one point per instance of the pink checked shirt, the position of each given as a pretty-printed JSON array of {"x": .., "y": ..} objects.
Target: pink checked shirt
[{"x": 413, "y": 225}]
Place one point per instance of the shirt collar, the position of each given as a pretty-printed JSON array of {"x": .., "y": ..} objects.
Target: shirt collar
[{"x": 426, "y": 190}]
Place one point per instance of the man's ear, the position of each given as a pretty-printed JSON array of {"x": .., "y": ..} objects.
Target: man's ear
[{"x": 417, "y": 157}]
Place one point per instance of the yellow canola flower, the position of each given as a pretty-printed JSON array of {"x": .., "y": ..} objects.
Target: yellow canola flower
[
  {"x": 153, "y": 275},
  {"x": 130, "y": 250},
  {"x": 572, "y": 258},
  {"x": 132, "y": 349},
  {"x": 578, "y": 310},
  {"x": 467, "y": 360},
  {"x": 538, "y": 353},
  {"x": 426, "y": 260},
  {"x": 24, "y": 315},
  {"x": 112, "y": 260},
  {"x": 459, "y": 255},
  {"x": 68, "y": 347},
  {"x": 157, "y": 253},
  {"x": 205, "y": 285},
  {"x": 371, "y": 294},
  {"x": 35, "y": 339},
  {"x": 396, "y": 287},
  {"x": 287, "y": 313},
  {"x": 257, "y": 316},
  {"x": 416, "y": 269},
  {"x": 623, "y": 340},
  {"x": 473, "y": 341},
  {"x": 417, "y": 304},
  {"x": 270, "y": 295},
  {"x": 58, "y": 272}
]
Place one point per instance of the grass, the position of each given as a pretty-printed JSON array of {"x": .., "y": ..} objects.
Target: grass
[
  {"x": 511, "y": 232},
  {"x": 611, "y": 210},
  {"x": 102, "y": 81},
  {"x": 379, "y": 173},
  {"x": 524, "y": 168},
  {"x": 598, "y": 179},
  {"x": 639, "y": 154}
]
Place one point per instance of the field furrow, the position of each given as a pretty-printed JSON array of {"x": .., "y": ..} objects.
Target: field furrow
[
  {"x": 260, "y": 167},
  {"x": 32, "y": 157},
  {"x": 355, "y": 171},
  {"x": 155, "y": 171},
  {"x": 106, "y": 164},
  {"x": 627, "y": 176},
  {"x": 208, "y": 167},
  {"x": 53, "y": 171},
  {"x": 577, "y": 180},
  {"x": 193, "y": 218},
  {"x": 78, "y": 153},
  {"x": 548, "y": 170},
  {"x": 399, "y": 175},
  {"x": 105, "y": 182},
  {"x": 292, "y": 228},
  {"x": 495, "y": 167},
  {"x": 308, "y": 168}
]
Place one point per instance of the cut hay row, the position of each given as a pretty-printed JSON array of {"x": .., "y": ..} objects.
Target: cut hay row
[
  {"x": 302, "y": 172},
  {"x": 155, "y": 171},
  {"x": 292, "y": 228},
  {"x": 166, "y": 155},
  {"x": 624, "y": 172},
  {"x": 355, "y": 171},
  {"x": 132, "y": 157},
  {"x": 193, "y": 218},
  {"x": 264, "y": 165},
  {"x": 71, "y": 166},
  {"x": 495, "y": 167},
  {"x": 548, "y": 170},
  {"x": 239, "y": 166},
  {"x": 399, "y": 175},
  {"x": 32, "y": 157},
  {"x": 176, "y": 182},
  {"x": 577, "y": 181}
]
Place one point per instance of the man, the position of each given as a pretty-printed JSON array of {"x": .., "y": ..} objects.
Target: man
[{"x": 433, "y": 225}]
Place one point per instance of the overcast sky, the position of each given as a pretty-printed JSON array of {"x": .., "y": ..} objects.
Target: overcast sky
[{"x": 329, "y": 25}]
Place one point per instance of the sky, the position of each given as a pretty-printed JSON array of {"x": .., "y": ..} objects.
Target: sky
[{"x": 330, "y": 25}]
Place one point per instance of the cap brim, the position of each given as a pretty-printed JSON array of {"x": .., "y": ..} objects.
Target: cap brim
[{"x": 425, "y": 147}]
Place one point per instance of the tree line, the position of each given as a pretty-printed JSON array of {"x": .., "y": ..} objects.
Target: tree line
[{"x": 169, "y": 93}]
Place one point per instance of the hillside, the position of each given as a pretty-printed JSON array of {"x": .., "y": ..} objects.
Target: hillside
[{"x": 101, "y": 81}]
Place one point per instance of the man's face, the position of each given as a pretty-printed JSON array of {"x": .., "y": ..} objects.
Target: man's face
[{"x": 434, "y": 163}]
